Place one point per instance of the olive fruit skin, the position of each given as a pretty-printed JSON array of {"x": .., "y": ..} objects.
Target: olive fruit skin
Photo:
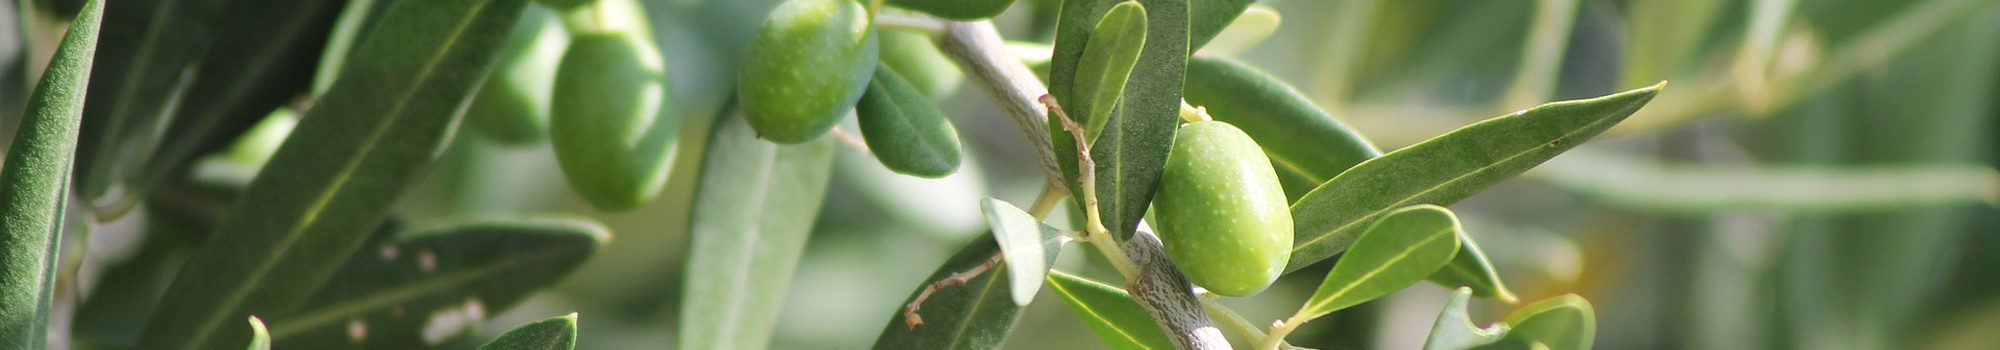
[
  {"x": 807, "y": 66},
  {"x": 612, "y": 119},
  {"x": 1222, "y": 214}
]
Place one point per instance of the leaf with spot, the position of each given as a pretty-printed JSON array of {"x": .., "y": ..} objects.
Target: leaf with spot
[
  {"x": 753, "y": 213},
  {"x": 554, "y": 333},
  {"x": 1566, "y": 322},
  {"x": 35, "y": 181},
  {"x": 1448, "y": 168},
  {"x": 1030, "y": 247},
  {"x": 1470, "y": 268},
  {"x": 907, "y": 133},
  {"x": 375, "y": 133},
  {"x": 977, "y": 314},
  {"x": 1110, "y": 312},
  {"x": 266, "y": 55},
  {"x": 1399, "y": 250},
  {"x": 1454, "y": 329},
  {"x": 1306, "y": 145},
  {"x": 1132, "y": 148},
  {"x": 394, "y": 290}
]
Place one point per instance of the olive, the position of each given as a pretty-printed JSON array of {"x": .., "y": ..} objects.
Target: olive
[
  {"x": 611, "y": 119},
  {"x": 1222, "y": 214},
  {"x": 807, "y": 66}
]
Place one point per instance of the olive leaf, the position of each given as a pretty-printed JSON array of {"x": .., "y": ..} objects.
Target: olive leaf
[
  {"x": 260, "y": 339},
  {"x": 904, "y": 130},
  {"x": 957, "y": 10},
  {"x": 376, "y": 132},
  {"x": 105, "y": 319},
  {"x": 1107, "y": 64},
  {"x": 35, "y": 181},
  {"x": 393, "y": 289},
  {"x": 554, "y": 333},
  {"x": 1404, "y": 247},
  {"x": 1448, "y": 168},
  {"x": 753, "y": 213},
  {"x": 1029, "y": 246},
  {"x": 1632, "y": 182},
  {"x": 270, "y": 48},
  {"x": 512, "y": 107},
  {"x": 1208, "y": 18},
  {"x": 147, "y": 47},
  {"x": 1130, "y": 152},
  {"x": 1110, "y": 312},
  {"x": 976, "y": 314},
  {"x": 1251, "y": 27},
  {"x": 1454, "y": 329},
  {"x": 1470, "y": 268},
  {"x": 1306, "y": 145},
  {"x": 1561, "y": 323},
  {"x": 352, "y": 25}
]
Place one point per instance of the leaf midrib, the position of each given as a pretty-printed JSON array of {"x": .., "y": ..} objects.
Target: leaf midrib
[
  {"x": 1358, "y": 281},
  {"x": 206, "y": 327},
  {"x": 372, "y": 301},
  {"x": 927, "y": 145},
  {"x": 760, "y": 195},
  {"x": 978, "y": 301},
  {"x": 1087, "y": 308}
]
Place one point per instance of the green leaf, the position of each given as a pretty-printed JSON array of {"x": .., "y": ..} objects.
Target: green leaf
[
  {"x": 1306, "y": 145},
  {"x": 1448, "y": 168},
  {"x": 377, "y": 131},
  {"x": 393, "y": 289},
  {"x": 1404, "y": 247},
  {"x": 1209, "y": 17},
  {"x": 1030, "y": 247},
  {"x": 957, "y": 10},
  {"x": 34, "y": 184},
  {"x": 1107, "y": 64},
  {"x": 904, "y": 130},
  {"x": 266, "y": 54},
  {"x": 147, "y": 46},
  {"x": 1131, "y": 151},
  {"x": 554, "y": 333},
  {"x": 753, "y": 212},
  {"x": 512, "y": 107},
  {"x": 974, "y": 315},
  {"x": 105, "y": 319},
  {"x": 1255, "y": 24},
  {"x": 1632, "y": 182},
  {"x": 1454, "y": 329},
  {"x": 1470, "y": 268},
  {"x": 1561, "y": 323},
  {"x": 356, "y": 18},
  {"x": 260, "y": 339},
  {"x": 1110, "y": 312}
]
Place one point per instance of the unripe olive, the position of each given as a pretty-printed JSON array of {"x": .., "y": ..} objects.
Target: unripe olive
[
  {"x": 806, "y": 68},
  {"x": 512, "y": 105},
  {"x": 918, "y": 61},
  {"x": 1222, "y": 214},
  {"x": 612, "y": 120}
]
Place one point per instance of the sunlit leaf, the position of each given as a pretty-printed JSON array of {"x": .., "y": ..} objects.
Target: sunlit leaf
[
  {"x": 1454, "y": 329},
  {"x": 1404, "y": 247},
  {"x": 1133, "y": 147},
  {"x": 1029, "y": 246},
  {"x": 1110, "y": 312}
]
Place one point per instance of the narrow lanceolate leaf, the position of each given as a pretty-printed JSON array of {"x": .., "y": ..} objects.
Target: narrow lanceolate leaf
[
  {"x": 1306, "y": 145},
  {"x": 1448, "y": 168},
  {"x": 1132, "y": 149},
  {"x": 1207, "y": 18},
  {"x": 904, "y": 130},
  {"x": 356, "y": 18},
  {"x": 376, "y": 132},
  {"x": 555, "y": 333},
  {"x": 148, "y": 47},
  {"x": 976, "y": 314},
  {"x": 265, "y": 59},
  {"x": 957, "y": 10},
  {"x": 34, "y": 185},
  {"x": 1561, "y": 323},
  {"x": 1255, "y": 24},
  {"x": 1633, "y": 182},
  {"x": 1454, "y": 329},
  {"x": 1401, "y": 249},
  {"x": 1470, "y": 268},
  {"x": 1110, "y": 312},
  {"x": 1030, "y": 247},
  {"x": 1106, "y": 65},
  {"x": 260, "y": 338},
  {"x": 391, "y": 290},
  {"x": 753, "y": 212}
]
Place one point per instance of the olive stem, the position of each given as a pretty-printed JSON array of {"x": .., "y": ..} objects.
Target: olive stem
[
  {"x": 1046, "y": 201},
  {"x": 1280, "y": 329},
  {"x": 978, "y": 50},
  {"x": 1194, "y": 114},
  {"x": 927, "y": 26}
]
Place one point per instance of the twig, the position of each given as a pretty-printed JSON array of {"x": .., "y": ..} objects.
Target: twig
[
  {"x": 850, "y": 140},
  {"x": 982, "y": 54},
  {"x": 910, "y": 316}
]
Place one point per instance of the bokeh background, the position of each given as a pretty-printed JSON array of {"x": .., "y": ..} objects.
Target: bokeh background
[{"x": 1818, "y": 174}]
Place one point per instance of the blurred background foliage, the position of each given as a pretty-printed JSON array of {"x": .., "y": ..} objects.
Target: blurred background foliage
[{"x": 1820, "y": 175}]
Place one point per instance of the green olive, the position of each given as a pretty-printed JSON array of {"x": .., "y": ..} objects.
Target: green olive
[
  {"x": 807, "y": 66},
  {"x": 612, "y": 119},
  {"x": 1222, "y": 214},
  {"x": 918, "y": 61}
]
